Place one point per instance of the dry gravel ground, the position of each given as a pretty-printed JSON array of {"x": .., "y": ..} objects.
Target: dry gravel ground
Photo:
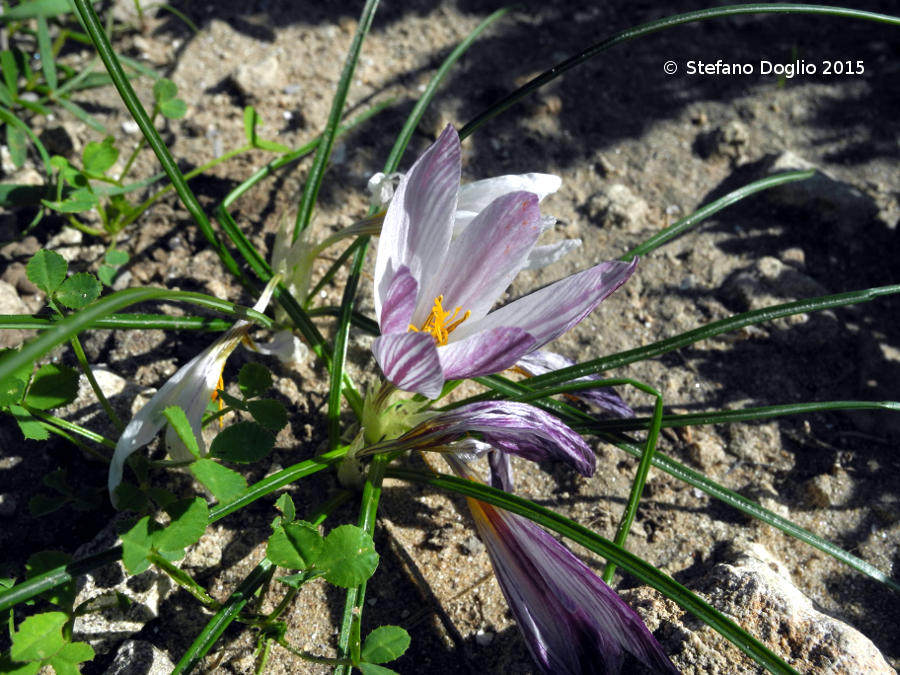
[{"x": 637, "y": 149}]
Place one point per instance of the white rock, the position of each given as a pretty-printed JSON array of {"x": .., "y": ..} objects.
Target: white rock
[{"x": 139, "y": 657}]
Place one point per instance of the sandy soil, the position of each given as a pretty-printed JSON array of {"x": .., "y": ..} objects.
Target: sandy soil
[{"x": 637, "y": 149}]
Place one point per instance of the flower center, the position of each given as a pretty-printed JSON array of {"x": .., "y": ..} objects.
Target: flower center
[{"x": 441, "y": 323}]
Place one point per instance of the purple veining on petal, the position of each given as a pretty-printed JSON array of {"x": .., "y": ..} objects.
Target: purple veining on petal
[
  {"x": 410, "y": 361},
  {"x": 418, "y": 223},
  {"x": 543, "y": 361},
  {"x": 399, "y": 302},
  {"x": 571, "y": 620},
  {"x": 482, "y": 262},
  {"x": 484, "y": 353},
  {"x": 551, "y": 311},
  {"x": 517, "y": 428},
  {"x": 501, "y": 471}
]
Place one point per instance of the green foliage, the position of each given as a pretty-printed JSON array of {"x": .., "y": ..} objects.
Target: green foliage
[
  {"x": 39, "y": 637},
  {"x": 64, "y": 595},
  {"x": 112, "y": 261},
  {"x": 224, "y": 483},
  {"x": 31, "y": 428},
  {"x": 79, "y": 290},
  {"x": 40, "y": 640},
  {"x": 295, "y": 545},
  {"x": 242, "y": 443},
  {"x": 254, "y": 379},
  {"x": 373, "y": 669},
  {"x": 52, "y": 386},
  {"x": 348, "y": 557},
  {"x": 285, "y": 504},
  {"x": 268, "y": 413},
  {"x": 179, "y": 422},
  {"x": 98, "y": 158},
  {"x": 46, "y": 270},
  {"x": 164, "y": 96},
  {"x": 81, "y": 497},
  {"x": 384, "y": 644},
  {"x": 189, "y": 518}
]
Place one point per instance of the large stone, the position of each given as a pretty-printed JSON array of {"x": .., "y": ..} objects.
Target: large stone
[{"x": 756, "y": 591}]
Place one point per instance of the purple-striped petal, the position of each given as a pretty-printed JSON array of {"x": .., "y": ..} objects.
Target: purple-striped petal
[
  {"x": 399, "y": 302},
  {"x": 551, "y": 311},
  {"x": 543, "y": 361},
  {"x": 516, "y": 428},
  {"x": 474, "y": 197},
  {"x": 410, "y": 361},
  {"x": 571, "y": 620},
  {"x": 482, "y": 262},
  {"x": 484, "y": 353},
  {"x": 419, "y": 221},
  {"x": 501, "y": 471}
]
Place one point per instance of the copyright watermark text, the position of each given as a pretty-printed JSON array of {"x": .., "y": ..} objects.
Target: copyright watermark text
[{"x": 788, "y": 70}]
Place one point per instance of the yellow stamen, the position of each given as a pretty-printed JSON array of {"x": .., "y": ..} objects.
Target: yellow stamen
[
  {"x": 437, "y": 322},
  {"x": 215, "y": 397}
]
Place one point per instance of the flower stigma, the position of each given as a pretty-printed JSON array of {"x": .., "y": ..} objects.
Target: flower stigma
[{"x": 437, "y": 322}]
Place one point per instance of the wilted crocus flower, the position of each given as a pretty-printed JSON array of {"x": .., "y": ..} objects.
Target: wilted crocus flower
[
  {"x": 508, "y": 426},
  {"x": 542, "y": 361},
  {"x": 571, "y": 620},
  {"x": 191, "y": 389},
  {"x": 421, "y": 269}
]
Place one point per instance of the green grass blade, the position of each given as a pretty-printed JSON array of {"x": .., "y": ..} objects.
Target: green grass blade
[
  {"x": 730, "y": 324},
  {"x": 681, "y": 226},
  {"x": 65, "y": 573},
  {"x": 123, "y": 86},
  {"x": 577, "y": 419},
  {"x": 662, "y": 24},
  {"x": 223, "y": 618},
  {"x": 45, "y": 49},
  {"x": 754, "y": 510},
  {"x": 8, "y": 117},
  {"x": 635, "y": 566},
  {"x": 730, "y": 416},
  {"x": 83, "y": 115},
  {"x": 323, "y": 151},
  {"x": 640, "y": 478},
  {"x": 415, "y": 116},
  {"x": 80, "y": 321},
  {"x": 122, "y": 321}
]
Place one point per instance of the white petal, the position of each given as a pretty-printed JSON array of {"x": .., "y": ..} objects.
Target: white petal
[
  {"x": 544, "y": 255},
  {"x": 419, "y": 221}
]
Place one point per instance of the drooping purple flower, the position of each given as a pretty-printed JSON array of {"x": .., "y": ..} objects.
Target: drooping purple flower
[
  {"x": 572, "y": 622},
  {"x": 543, "y": 361},
  {"x": 507, "y": 426},
  {"x": 434, "y": 293}
]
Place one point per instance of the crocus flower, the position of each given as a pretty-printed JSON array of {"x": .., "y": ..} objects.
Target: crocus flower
[
  {"x": 543, "y": 361},
  {"x": 475, "y": 197},
  {"x": 507, "y": 426},
  {"x": 191, "y": 389},
  {"x": 420, "y": 270},
  {"x": 572, "y": 622}
]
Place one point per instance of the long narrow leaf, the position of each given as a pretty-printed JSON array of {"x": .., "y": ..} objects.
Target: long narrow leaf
[
  {"x": 84, "y": 319},
  {"x": 662, "y": 24},
  {"x": 576, "y": 419},
  {"x": 92, "y": 23},
  {"x": 323, "y": 151},
  {"x": 639, "y": 568},
  {"x": 681, "y": 226}
]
